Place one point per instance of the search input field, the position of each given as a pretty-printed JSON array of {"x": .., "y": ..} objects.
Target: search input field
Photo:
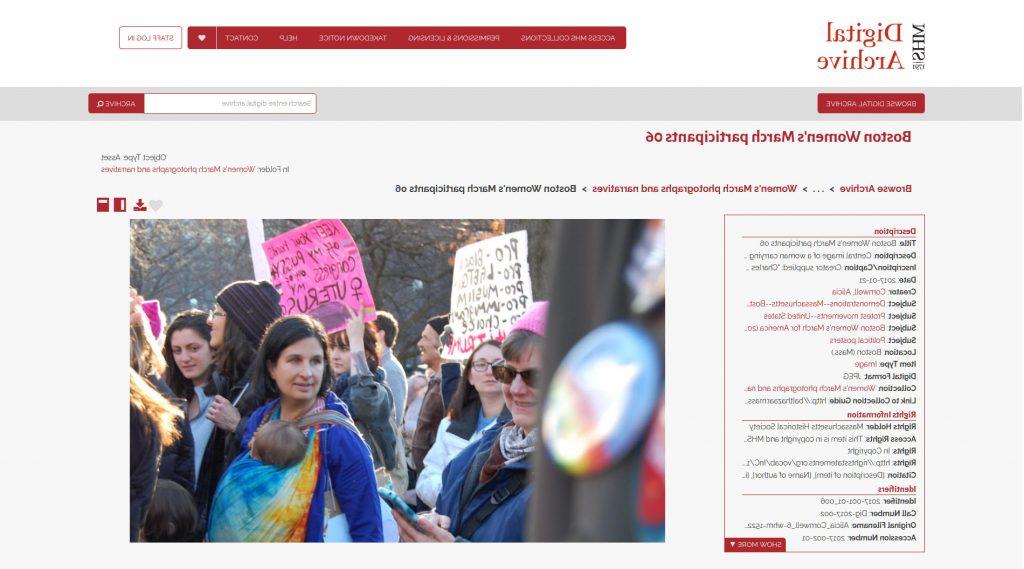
[{"x": 203, "y": 103}]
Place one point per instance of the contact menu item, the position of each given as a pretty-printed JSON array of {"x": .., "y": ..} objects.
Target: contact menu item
[{"x": 824, "y": 383}]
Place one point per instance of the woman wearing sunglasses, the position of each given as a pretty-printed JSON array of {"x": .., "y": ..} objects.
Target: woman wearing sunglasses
[
  {"x": 477, "y": 404},
  {"x": 484, "y": 490}
]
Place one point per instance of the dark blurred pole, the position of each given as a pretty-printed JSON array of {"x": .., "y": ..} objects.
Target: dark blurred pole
[{"x": 588, "y": 290}]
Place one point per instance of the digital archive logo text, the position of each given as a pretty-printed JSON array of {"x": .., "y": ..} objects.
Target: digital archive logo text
[{"x": 882, "y": 46}]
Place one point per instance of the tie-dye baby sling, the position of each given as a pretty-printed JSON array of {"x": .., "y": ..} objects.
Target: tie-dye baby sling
[{"x": 256, "y": 502}]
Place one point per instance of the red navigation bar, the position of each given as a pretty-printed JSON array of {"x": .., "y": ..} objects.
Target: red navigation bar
[
  {"x": 415, "y": 37},
  {"x": 870, "y": 102}
]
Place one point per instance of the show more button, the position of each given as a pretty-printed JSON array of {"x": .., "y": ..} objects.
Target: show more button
[
  {"x": 888, "y": 103},
  {"x": 755, "y": 544}
]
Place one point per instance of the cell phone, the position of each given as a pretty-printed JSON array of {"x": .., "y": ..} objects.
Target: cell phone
[{"x": 396, "y": 502}]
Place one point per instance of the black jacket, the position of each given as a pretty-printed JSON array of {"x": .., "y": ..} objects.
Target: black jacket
[
  {"x": 216, "y": 457},
  {"x": 144, "y": 455},
  {"x": 243, "y": 396},
  {"x": 177, "y": 463},
  {"x": 451, "y": 374},
  {"x": 465, "y": 426}
]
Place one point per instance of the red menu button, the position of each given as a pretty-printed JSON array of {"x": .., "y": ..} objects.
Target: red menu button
[
  {"x": 117, "y": 103},
  {"x": 870, "y": 102},
  {"x": 755, "y": 544},
  {"x": 202, "y": 37}
]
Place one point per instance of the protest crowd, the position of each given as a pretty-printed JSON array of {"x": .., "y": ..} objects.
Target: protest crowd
[{"x": 253, "y": 421}]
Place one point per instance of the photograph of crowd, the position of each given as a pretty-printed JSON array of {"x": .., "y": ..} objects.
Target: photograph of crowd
[{"x": 484, "y": 380}]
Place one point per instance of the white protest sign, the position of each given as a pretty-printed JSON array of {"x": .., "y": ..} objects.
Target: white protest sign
[
  {"x": 491, "y": 289},
  {"x": 260, "y": 268}
]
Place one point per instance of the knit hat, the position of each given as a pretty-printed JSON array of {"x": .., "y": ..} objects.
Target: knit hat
[
  {"x": 438, "y": 323},
  {"x": 534, "y": 320},
  {"x": 251, "y": 305}
]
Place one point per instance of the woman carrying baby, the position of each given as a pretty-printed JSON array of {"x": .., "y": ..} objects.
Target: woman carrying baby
[{"x": 265, "y": 498}]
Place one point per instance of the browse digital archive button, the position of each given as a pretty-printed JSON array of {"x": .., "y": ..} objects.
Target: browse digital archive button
[{"x": 888, "y": 103}]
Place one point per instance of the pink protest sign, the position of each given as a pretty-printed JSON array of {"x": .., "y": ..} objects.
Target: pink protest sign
[
  {"x": 319, "y": 272},
  {"x": 152, "y": 310}
]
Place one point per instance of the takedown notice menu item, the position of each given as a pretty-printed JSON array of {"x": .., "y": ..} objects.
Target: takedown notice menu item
[{"x": 824, "y": 383}]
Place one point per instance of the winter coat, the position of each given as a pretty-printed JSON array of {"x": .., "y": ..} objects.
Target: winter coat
[
  {"x": 372, "y": 406},
  {"x": 144, "y": 456},
  {"x": 177, "y": 463},
  {"x": 451, "y": 376},
  {"x": 347, "y": 461},
  {"x": 452, "y": 438},
  {"x": 507, "y": 521},
  {"x": 431, "y": 413},
  {"x": 247, "y": 402},
  {"x": 216, "y": 458}
]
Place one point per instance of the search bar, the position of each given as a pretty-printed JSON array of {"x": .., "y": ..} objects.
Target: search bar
[{"x": 203, "y": 103}]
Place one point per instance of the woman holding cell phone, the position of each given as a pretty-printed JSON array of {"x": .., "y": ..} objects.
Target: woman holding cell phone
[{"x": 484, "y": 490}]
